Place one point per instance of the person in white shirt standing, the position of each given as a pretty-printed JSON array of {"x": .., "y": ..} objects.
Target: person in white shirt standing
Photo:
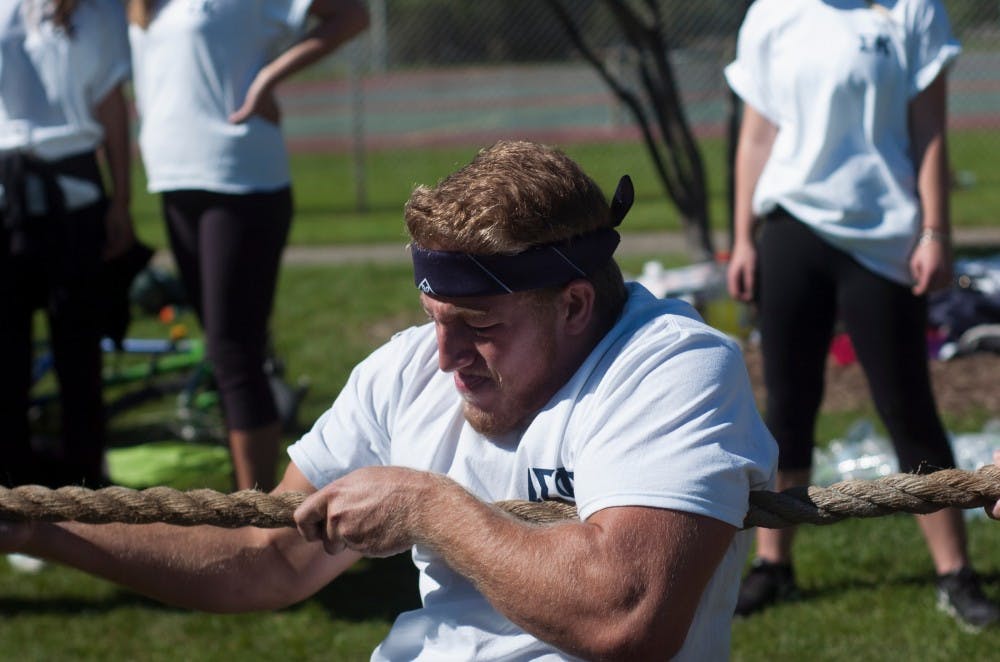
[
  {"x": 205, "y": 74},
  {"x": 63, "y": 64},
  {"x": 841, "y": 212}
]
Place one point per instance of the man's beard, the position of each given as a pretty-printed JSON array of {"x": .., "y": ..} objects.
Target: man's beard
[
  {"x": 496, "y": 423},
  {"x": 515, "y": 410}
]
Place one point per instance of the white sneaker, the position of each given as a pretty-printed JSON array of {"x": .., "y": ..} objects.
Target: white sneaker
[{"x": 24, "y": 563}]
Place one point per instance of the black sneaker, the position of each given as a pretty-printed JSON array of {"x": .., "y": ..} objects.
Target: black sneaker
[
  {"x": 766, "y": 584},
  {"x": 960, "y": 596}
]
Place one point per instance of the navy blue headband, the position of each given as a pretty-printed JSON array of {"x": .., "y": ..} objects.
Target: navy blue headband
[{"x": 456, "y": 274}]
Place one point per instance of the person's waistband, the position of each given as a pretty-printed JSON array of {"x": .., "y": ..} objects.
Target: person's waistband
[
  {"x": 778, "y": 212},
  {"x": 83, "y": 166}
]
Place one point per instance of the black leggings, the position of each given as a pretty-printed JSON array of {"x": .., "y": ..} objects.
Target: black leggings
[
  {"x": 60, "y": 274},
  {"x": 805, "y": 283},
  {"x": 228, "y": 251}
]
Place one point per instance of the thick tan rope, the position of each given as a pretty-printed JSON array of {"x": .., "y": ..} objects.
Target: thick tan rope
[{"x": 908, "y": 493}]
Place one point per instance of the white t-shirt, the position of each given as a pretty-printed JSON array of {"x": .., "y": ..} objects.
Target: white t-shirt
[
  {"x": 192, "y": 68},
  {"x": 660, "y": 414},
  {"x": 51, "y": 84},
  {"x": 836, "y": 77}
]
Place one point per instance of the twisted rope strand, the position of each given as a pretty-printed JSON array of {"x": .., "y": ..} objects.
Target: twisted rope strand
[{"x": 910, "y": 493}]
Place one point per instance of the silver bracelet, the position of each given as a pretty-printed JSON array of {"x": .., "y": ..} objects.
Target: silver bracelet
[{"x": 930, "y": 234}]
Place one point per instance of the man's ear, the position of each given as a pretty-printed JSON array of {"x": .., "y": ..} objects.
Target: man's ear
[{"x": 577, "y": 309}]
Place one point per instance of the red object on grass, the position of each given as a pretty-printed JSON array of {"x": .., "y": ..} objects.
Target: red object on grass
[{"x": 842, "y": 350}]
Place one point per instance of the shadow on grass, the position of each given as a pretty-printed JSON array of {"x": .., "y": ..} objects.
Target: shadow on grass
[
  {"x": 376, "y": 588},
  {"x": 135, "y": 434},
  {"x": 926, "y": 580},
  {"x": 55, "y": 606},
  {"x": 833, "y": 590}
]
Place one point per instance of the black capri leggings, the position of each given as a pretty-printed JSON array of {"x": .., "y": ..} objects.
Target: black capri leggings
[
  {"x": 804, "y": 284},
  {"x": 228, "y": 251}
]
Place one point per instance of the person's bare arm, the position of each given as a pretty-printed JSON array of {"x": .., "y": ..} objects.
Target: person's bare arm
[
  {"x": 203, "y": 567},
  {"x": 112, "y": 114},
  {"x": 753, "y": 148},
  {"x": 338, "y": 22},
  {"x": 624, "y": 584},
  {"x": 930, "y": 263}
]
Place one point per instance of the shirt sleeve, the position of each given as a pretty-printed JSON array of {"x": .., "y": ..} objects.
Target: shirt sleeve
[
  {"x": 748, "y": 75},
  {"x": 291, "y": 14},
  {"x": 359, "y": 428},
  {"x": 354, "y": 431},
  {"x": 932, "y": 45},
  {"x": 679, "y": 431},
  {"x": 114, "y": 50}
]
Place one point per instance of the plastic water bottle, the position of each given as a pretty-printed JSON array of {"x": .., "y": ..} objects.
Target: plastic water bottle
[
  {"x": 975, "y": 450},
  {"x": 861, "y": 455}
]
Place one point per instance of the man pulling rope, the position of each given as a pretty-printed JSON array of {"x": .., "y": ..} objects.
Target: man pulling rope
[{"x": 540, "y": 375}]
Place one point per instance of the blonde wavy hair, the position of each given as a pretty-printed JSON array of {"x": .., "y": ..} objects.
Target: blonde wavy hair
[{"x": 510, "y": 197}]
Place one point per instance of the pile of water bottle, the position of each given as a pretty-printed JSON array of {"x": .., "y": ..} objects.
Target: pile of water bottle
[{"x": 866, "y": 455}]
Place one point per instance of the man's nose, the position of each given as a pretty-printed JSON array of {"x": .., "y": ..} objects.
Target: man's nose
[{"x": 455, "y": 348}]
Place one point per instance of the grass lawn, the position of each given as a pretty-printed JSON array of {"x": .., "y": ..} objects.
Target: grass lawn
[
  {"x": 327, "y": 211},
  {"x": 867, "y": 584}
]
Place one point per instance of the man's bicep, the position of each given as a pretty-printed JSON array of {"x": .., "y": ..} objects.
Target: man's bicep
[{"x": 674, "y": 554}]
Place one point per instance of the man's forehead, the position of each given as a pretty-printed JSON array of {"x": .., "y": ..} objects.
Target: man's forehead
[{"x": 466, "y": 306}]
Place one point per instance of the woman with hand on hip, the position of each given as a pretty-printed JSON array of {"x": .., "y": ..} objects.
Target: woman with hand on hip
[{"x": 205, "y": 74}]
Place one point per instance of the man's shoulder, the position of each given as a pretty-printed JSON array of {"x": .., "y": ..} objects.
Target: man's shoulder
[
  {"x": 406, "y": 363},
  {"x": 662, "y": 322},
  {"x": 406, "y": 346},
  {"x": 660, "y": 339}
]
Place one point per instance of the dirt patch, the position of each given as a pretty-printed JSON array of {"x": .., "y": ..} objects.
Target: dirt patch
[{"x": 963, "y": 385}]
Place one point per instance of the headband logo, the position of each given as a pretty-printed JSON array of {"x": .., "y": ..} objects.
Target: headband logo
[{"x": 425, "y": 287}]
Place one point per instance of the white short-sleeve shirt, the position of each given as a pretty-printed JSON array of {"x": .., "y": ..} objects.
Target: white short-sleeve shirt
[
  {"x": 660, "y": 414},
  {"x": 192, "y": 68},
  {"x": 51, "y": 83},
  {"x": 836, "y": 77}
]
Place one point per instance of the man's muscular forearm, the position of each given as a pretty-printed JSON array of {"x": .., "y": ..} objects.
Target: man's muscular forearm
[
  {"x": 600, "y": 588},
  {"x": 624, "y": 584}
]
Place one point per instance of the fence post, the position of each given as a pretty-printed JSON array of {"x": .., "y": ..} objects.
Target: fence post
[{"x": 355, "y": 71}]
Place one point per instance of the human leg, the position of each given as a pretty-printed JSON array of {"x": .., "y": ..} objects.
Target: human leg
[
  {"x": 241, "y": 241},
  {"x": 796, "y": 312},
  {"x": 887, "y": 325},
  {"x": 182, "y": 213},
  {"x": 18, "y": 285},
  {"x": 75, "y": 337},
  {"x": 255, "y": 456}
]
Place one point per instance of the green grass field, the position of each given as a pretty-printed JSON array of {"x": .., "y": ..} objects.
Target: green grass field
[
  {"x": 867, "y": 584},
  {"x": 327, "y": 208}
]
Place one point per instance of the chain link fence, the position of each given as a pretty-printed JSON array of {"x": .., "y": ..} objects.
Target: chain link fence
[{"x": 450, "y": 72}]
